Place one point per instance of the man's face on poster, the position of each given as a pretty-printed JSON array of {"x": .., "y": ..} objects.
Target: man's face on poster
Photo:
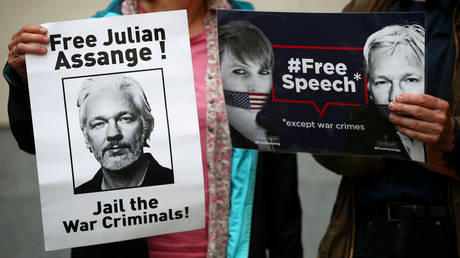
[
  {"x": 114, "y": 129},
  {"x": 394, "y": 72}
]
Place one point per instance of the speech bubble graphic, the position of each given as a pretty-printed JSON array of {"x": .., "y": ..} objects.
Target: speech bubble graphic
[{"x": 319, "y": 75}]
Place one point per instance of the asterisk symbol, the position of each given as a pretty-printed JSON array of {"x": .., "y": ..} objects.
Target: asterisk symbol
[{"x": 357, "y": 76}]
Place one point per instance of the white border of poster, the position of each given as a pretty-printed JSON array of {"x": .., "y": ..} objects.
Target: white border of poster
[{"x": 156, "y": 53}]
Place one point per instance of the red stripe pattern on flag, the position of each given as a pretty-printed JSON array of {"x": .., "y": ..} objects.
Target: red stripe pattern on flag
[{"x": 246, "y": 100}]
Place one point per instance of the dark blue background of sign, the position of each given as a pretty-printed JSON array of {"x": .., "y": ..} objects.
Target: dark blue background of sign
[{"x": 316, "y": 29}]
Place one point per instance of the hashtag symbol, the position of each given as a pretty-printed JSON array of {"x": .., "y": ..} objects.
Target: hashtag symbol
[{"x": 294, "y": 65}]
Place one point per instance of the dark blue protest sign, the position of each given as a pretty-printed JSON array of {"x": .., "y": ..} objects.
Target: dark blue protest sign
[{"x": 320, "y": 83}]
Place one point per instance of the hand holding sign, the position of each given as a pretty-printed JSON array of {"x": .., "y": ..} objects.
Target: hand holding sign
[
  {"x": 430, "y": 119},
  {"x": 21, "y": 44}
]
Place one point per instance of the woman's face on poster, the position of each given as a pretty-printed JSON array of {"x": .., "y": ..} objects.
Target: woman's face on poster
[
  {"x": 250, "y": 76},
  {"x": 394, "y": 71}
]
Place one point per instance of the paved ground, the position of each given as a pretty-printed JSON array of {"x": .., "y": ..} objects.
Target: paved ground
[
  {"x": 317, "y": 190},
  {"x": 21, "y": 234}
]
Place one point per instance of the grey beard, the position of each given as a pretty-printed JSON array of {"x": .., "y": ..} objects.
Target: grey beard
[{"x": 119, "y": 163}]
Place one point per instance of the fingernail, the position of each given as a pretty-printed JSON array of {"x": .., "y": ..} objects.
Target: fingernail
[
  {"x": 399, "y": 98},
  {"x": 46, "y": 38},
  {"x": 391, "y": 105},
  {"x": 43, "y": 30}
]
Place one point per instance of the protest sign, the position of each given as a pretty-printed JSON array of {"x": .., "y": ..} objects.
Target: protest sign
[
  {"x": 116, "y": 131},
  {"x": 297, "y": 81}
]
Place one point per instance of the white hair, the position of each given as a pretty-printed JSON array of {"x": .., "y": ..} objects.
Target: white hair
[
  {"x": 122, "y": 83},
  {"x": 394, "y": 35}
]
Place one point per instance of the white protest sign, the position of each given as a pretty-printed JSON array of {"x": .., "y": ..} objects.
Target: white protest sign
[{"x": 125, "y": 162}]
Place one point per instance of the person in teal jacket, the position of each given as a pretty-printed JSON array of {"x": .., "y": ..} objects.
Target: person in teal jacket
[{"x": 229, "y": 233}]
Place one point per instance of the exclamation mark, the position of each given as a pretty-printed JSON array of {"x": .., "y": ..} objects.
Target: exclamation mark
[
  {"x": 162, "y": 47},
  {"x": 186, "y": 212}
]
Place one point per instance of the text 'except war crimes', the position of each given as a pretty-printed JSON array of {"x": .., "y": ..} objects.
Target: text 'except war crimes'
[{"x": 323, "y": 125}]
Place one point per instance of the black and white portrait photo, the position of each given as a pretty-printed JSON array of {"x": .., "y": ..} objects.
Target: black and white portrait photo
[
  {"x": 116, "y": 123},
  {"x": 247, "y": 61},
  {"x": 394, "y": 63}
]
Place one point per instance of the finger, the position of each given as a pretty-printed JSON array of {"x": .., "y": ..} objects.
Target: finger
[
  {"x": 424, "y": 100},
  {"x": 22, "y": 48},
  {"x": 444, "y": 142},
  {"x": 29, "y": 38},
  {"x": 419, "y": 136},
  {"x": 35, "y": 29},
  {"x": 420, "y": 112},
  {"x": 416, "y": 124}
]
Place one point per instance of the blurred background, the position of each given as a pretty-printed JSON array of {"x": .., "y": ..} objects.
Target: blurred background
[{"x": 21, "y": 232}]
